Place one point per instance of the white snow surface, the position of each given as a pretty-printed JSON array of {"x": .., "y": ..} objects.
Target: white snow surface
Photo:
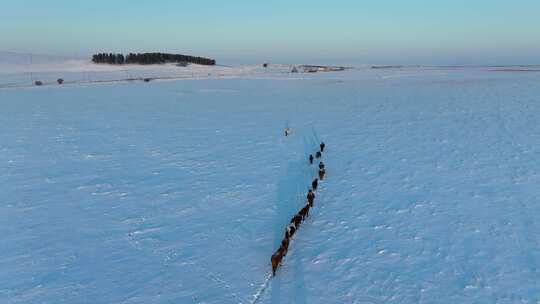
[
  {"x": 14, "y": 74},
  {"x": 180, "y": 191}
]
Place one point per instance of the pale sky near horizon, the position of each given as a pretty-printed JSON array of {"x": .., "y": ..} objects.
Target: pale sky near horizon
[{"x": 246, "y": 31}]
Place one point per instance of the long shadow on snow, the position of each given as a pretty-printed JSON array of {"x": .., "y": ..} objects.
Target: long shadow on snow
[{"x": 292, "y": 189}]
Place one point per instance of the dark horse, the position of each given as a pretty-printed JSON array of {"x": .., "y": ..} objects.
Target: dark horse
[
  {"x": 290, "y": 231},
  {"x": 296, "y": 220},
  {"x": 318, "y": 154},
  {"x": 314, "y": 184},
  {"x": 285, "y": 246},
  {"x": 276, "y": 259},
  {"x": 310, "y": 197},
  {"x": 322, "y": 172},
  {"x": 304, "y": 212}
]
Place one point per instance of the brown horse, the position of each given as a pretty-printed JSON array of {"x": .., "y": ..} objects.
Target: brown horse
[
  {"x": 322, "y": 172},
  {"x": 285, "y": 246},
  {"x": 276, "y": 260},
  {"x": 314, "y": 184},
  {"x": 291, "y": 229},
  {"x": 296, "y": 220},
  {"x": 310, "y": 197},
  {"x": 304, "y": 212}
]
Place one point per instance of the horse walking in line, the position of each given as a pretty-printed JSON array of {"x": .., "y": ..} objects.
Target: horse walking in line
[
  {"x": 276, "y": 260},
  {"x": 297, "y": 219},
  {"x": 310, "y": 197},
  {"x": 322, "y": 172},
  {"x": 314, "y": 184},
  {"x": 285, "y": 246},
  {"x": 304, "y": 212},
  {"x": 291, "y": 229}
]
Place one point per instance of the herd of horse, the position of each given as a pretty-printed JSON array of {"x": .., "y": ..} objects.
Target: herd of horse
[{"x": 302, "y": 214}]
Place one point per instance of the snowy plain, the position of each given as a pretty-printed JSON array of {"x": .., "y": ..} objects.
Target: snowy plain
[
  {"x": 179, "y": 191},
  {"x": 20, "y": 72}
]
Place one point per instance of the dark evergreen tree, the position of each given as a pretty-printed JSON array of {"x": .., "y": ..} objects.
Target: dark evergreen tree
[{"x": 149, "y": 58}]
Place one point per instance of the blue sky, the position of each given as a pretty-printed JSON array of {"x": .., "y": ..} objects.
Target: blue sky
[{"x": 339, "y": 31}]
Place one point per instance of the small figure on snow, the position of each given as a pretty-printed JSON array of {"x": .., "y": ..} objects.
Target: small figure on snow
[
  {"x": 322, "y": 146},
  {"x": 321, "y": 165},
  {"x": 311, "y": 159},
  {"x": 287, "y": 131},
  {"x": 318, "y": 154}
]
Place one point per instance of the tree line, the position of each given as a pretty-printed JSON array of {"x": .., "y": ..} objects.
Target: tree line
[{"x": 149, "y": 58}]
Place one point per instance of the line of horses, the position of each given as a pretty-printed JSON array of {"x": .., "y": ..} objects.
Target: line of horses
[{"x": 301, "y": 215}]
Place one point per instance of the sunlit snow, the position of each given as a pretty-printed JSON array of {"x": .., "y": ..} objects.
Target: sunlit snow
[{"x": 179, "y": 191}]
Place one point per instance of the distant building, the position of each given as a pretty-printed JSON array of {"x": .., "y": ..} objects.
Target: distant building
[{"x": 319, "y": 68}]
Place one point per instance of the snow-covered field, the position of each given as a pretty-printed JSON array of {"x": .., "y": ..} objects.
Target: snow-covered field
[
  {"x": 14, "y": 74},
  {"x": 179, "y": 191}
]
